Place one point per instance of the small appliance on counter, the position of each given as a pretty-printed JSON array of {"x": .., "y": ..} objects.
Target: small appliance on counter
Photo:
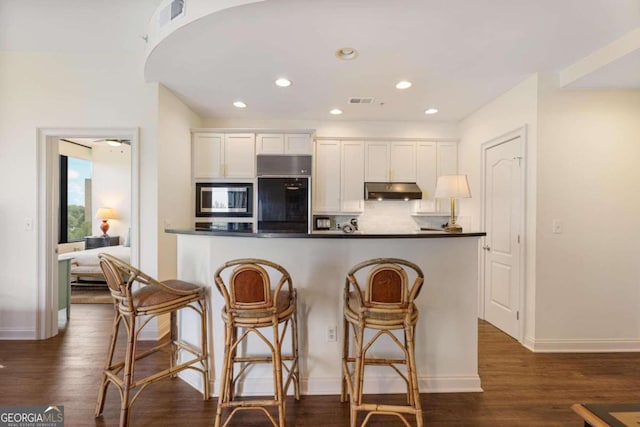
[
  {"x": 351, "y": 227},
  {"x": 332, "y": 225},
  {"x": 322, "y": 222}
]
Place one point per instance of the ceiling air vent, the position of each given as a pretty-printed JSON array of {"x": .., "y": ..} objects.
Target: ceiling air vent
[
  {"x": 174, "y": 9},
  {"x": 361, "y": 100}
]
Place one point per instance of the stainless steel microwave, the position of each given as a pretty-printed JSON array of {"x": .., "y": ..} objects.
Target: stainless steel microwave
[{"x": 224, "y": 199}]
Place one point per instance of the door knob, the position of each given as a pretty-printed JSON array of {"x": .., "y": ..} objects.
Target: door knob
[{"x": 486, "y": 248}]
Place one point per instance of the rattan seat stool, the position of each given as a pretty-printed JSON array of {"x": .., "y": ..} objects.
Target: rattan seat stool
[
  {"x": 135, "y": 308},
  {"x": 384, "y": 304},
  {"x": 253, "y": 307}
]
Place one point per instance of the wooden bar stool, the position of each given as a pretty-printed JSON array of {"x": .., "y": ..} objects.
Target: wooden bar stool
[
  {"x": 253, "y": 305},
  {"x": 383, "y": 305},
  {"x": 136, "y": 308}
]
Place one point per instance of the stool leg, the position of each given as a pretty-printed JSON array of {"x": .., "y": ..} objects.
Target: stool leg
[
  {"x": 223, "y": 394},
  {"x": 413, "y": 375},
  {"x": 345, "y": 356},
  {"x": 205, "y": 347},
  {"x": 277, "y": 373},
  {"x": 358, "y": 377},
  {"x": 173, "y": 335},
  {"x": 112, "y": 346},
  {"x": 128, "y": 371},
  {"x": 296, "y": 362}
]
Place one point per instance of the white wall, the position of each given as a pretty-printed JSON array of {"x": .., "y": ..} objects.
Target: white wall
[
  {"x": 583, "y": 151},
  {"x": 512, "y": 110},
  {"x": 175, "y": 201},
  {"x": 588, "y": 277},
  {"x": 111, "y": 187},
  {"x": 50, "y": 90}
]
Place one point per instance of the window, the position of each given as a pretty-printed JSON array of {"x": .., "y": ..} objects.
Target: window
[{"x": 75, "y": 199}]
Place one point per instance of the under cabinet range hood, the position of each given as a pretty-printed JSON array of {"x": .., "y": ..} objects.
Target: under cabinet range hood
[{"x": 392, "y": 191}]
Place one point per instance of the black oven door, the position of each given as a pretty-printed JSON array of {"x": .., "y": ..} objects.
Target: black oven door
[{"x": 283, "y": 205}]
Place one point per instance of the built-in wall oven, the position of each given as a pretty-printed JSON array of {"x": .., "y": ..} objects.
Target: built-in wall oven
[
  {"x": 284, "y": 194},
  {"x": 215, "y": 199}
]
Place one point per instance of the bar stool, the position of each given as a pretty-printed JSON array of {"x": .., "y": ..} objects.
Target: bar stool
[
  {"x": 253, "y": 305},
  {"x": 385, "y": 304},
  {"x": 136, "y": 308}
]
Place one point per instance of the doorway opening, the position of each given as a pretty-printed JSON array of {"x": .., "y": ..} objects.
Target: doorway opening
[{"x": 112, "y": 187}]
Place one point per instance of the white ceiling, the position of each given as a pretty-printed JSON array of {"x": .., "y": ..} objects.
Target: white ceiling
[{"x": 459, "y": 54}]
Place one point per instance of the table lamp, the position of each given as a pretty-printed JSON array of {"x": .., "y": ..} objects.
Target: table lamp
[
  {"x": 452, "y": 186},
  {"x": 105, "y": 214}
]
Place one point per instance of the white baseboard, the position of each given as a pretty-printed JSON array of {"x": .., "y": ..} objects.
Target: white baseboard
[
  {"x": 544, "y": 345},
  {"x": 331, "y": 386},
  {"x": 194, "y": 379},
  {"x": 17, "y": 334}
]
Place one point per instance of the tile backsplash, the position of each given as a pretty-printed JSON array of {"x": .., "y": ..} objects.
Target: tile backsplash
[{"x": 394, "y": 217}]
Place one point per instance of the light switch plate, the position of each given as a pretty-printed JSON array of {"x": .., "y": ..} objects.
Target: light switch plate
[{"x": 557, "y": 226}]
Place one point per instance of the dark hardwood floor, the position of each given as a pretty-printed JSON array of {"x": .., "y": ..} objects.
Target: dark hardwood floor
[{"x": 521, "y": 388}]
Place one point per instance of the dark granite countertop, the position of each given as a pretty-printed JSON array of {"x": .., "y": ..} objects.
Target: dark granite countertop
[{"x": 330, "y": 235}]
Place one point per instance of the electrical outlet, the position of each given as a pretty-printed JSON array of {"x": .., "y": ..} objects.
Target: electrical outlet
[{"x": 332, "y": 334}]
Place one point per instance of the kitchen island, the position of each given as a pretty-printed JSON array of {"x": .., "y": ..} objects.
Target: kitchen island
[{"x": 446, "y": 335}]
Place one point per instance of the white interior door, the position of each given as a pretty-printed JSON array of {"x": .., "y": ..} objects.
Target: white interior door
[{"x": 503, "y": 218}]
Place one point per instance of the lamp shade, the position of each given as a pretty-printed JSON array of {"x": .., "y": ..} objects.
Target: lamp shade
[
  {"x": 455, "y": 186},
  {"x": 106, "y": 213}
]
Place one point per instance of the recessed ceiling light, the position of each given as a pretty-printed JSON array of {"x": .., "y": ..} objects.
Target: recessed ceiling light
[
  {"x": 403, "y": 84},
  {"x": 239, "y": 104},
  {"x": 335, "y": 111},
  {"x": 431, "y": 111},
  {"x": 282, "y": 82},
  {"x": 346, "y": 53},
  {"x": 113, "y": 142}
]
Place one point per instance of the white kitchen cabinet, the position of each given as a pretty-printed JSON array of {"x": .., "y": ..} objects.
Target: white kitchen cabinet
[
  {"x": 270, "y": 143},
  {"x": 402, "y": 163},
  {"x": 338, "y": 177},
  {"x": 376, "y": 159},
  {"x": 287, "y": 143},
  {"x": 447, "y": 158},
  {"x": 390, "y": 161},
  {"x": 326, "y": 180},
  {"x": 208, "y": 155},
  {"x": 433, "y": 160},
  {"x": 427, "y": 175},
  {"x": 217, "y": 155},
  {"x": 298, "y": 143},
  {"x": 352, "y": 177}
]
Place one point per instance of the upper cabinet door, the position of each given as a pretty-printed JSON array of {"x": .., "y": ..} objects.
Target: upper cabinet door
[
  {"x": 447, "y": 158},
  {"x": 427, "y": 174},
  {"x": 240, "y": 155},
  {"x": 207, "y": 155},
  {"x": 298, "y": 143},
  {"x": 376, "y": 159},
  {"x": 287, "y": 143},
  {"x": 270, "y": 143},
  {"x": 352, "y": 182},
  {"x": 326, "y": 177},
  {"x": 402, "y": 165}
]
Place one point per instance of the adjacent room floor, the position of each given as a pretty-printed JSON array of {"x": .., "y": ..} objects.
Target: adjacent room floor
[{"x": 521, "y": 388}]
